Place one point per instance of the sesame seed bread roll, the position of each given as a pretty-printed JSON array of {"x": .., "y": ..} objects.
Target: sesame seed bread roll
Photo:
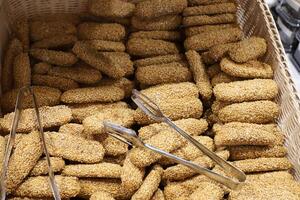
[
  {"x": 201, "y": 20},
  {"x": 106, "y": 46},
  {"x": 54, "y": 57},
  {"x": 101, "y": 31},
  {"x": 181, "y": 172},
  {"x": 114, "y": 147},
  {"x": 55, "y": 42},
  {"x": 206, "y": 40},
  {"x": 21, "y": 71},
  {"x": 164, "y": 23},
  {"x": 82, "y": 111},
  {"x": 193, "y": 126},
  {"x": 149, "y": 47},
  {"x": 111, "y": 8},
  {"x": 248, "y": 90},
  {"x": 267, "y": 191},
  {"x": 157, "y": 8},
  {"x": 89, "y": 186},
  {"x": 101, "y": 196},
  {"x": 50, "y": 117},
  {"x": 122, "y": 116},
  {"x": 41, "y": 68},
  {"x": 41, "y": 168},
  {"x": 222, "y": 78},
  {"x": 157, "y": 35},
  {"x": 81, "y": 73},
  {"x": 251, "y": 152},
  {"x": 263, "y": 164},
  {"x": 248, "y": 49},
  {"x": 189, "y": 151},
  {"x": 125, "y": 84},
  {"x": 25, "y": 156},
  {"x": 195, "y": 30},
  {"x": 93, "y": 94},
  {"x": 131, "y": 175},
  {"x": 171, "y": 90},
  {"x": 272, "y": 128},
  {"x": 74, "y": 148},
  {"x": 199, "y": 74},
  {"x": 158, "y": 195},
  {"x": 231, "y": 136},
  {"x": 45, "y": 96},
  {"x": 113, "y": 64},
  {"x": 115, "y": 159},
  {"x": 207, "y": 2},
  {"x": 150, "y": 184},
  {"x": 176, "y": 108},
  {"x": 22, "y": 32},
  {"x": 165, "y": 73},
  {"x": 175, "y": 191},
  {"x": 74, "y": 129},
  {"x": 41, "y": 30},
  {"x": 210, "y": 9},
  {"x": 159, "y": 60},
  {"x": 60, "y": 83},
  {"x": 271, "y": 176},
  {"x": 14, "y": 48},
  {"x": 166, "y": 139},
  {"x": 183, "y": 189},
  {"x": 119, "y": 60},
  {"x": 99, "y": 170},
  {"x": 207, "y": 190},
  {"x": 143, "y": 157},
  {"x": 250, "y": 69},
  {"x": 39, "y": 187},
  {"x": 259, "y": 112},
  {"x": 90, "y": 55},
  {"x": 216, "y": 53}
]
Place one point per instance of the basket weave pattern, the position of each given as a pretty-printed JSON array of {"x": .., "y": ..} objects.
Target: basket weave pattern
[{"x": 254, "y": 18}]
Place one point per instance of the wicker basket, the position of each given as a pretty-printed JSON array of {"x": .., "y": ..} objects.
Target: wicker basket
[{"x": 254, "y": 18}]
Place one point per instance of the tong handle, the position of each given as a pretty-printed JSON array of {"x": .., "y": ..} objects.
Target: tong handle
[
  {"x": 54, "y": 188},
  {"x": 8, "y": 151},
  {"x": 201, "y": 170},
  {"x": 130, "y": 137},
  {"x": 220, "y": 161},
  {"x": 11, "y": 142}
]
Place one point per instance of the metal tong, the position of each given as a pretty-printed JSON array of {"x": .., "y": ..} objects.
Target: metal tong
[
  {"x": 130, "y": 137},
  {"x": 153, "y": 111},
  {"x": 27, "y": 90}
]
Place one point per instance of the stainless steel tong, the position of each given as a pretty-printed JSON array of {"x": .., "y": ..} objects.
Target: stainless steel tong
[
  {"x": 130, "y": 137},
  {"x": 11, "y": 141},
  {"x": 153, "y": 111}
]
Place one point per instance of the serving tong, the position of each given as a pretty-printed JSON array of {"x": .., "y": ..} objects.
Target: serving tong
[
  {"x": 27, "y": 90},
  {"x": 130, "y": 137}
]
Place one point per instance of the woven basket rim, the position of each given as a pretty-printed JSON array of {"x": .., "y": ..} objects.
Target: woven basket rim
[{"x": 281, "y": 54}]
